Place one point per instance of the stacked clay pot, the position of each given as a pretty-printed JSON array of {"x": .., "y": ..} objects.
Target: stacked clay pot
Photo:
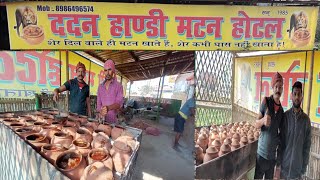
[
  {"x": 219, "y": 140},
  {"x": 61, "y": 137}
]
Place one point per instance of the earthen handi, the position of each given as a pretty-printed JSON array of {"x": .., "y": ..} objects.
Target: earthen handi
[
  {"x": 220, "y": 140},
  {"x": 74, "y": 143}
]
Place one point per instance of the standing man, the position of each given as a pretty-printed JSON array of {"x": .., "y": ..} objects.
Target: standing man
[
  {"x": 295, "y": 134},
  {"x": 79, "y": 101},
  {"x": 270, "y": 117},
  {"x": 187, "y": 110},
  {"x": 110, "y": 94}
]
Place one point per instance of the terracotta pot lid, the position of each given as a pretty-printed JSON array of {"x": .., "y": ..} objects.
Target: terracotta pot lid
[
  {"x": 236, "y": 136},
  {"x": 122, "y": 146},
  {"x": 244, "y": 139},
  {"x": 212, "y": 150},
  {"x": 216, "y": 143},
  {"x": 251, "y": 137},
  {"x": 227, "y": 141},
  {"x": 235, "y": 142},
  {"x": 203, "y": 137},
  {"x": 225, "y": 148}
]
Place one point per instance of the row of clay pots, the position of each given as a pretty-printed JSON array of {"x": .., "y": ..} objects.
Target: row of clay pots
[{"x": 40, "y": 132}]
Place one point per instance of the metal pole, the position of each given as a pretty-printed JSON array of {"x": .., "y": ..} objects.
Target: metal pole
[
  {"x": 159, "y": 100},
  {"x": 129, "y": 90},
  {"x": 310, "y": 83},
  {"x": 232, "y": 85},
  {"x": 67, "y": 78}
]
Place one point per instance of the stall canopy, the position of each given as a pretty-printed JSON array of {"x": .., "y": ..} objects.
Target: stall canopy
[{"x": 142, "y": 65}]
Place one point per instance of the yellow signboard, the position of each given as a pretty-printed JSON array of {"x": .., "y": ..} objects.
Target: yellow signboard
[
  {"x": 94, "y": 25},
  {"x": 315, "y": 98},
  {"x": 253, "y": 77}
]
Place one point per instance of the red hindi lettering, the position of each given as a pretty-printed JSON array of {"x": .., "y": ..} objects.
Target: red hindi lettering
[
  {"x": 8, "y": 67},
  {"x": 72, "y": 71},
  {"x": 91, "y": 25},
  {"x": 28, "y": 75},
  {"x": 101, "y": 76},
  {"x": 184, "y": 28},
  {"x": 53, "y": 69},
  {"x": 73, "y": 25},
  {"x": 156, "y": 23},
  {"x": 92, "y": 75},
  {"x": 237, "y": 32},
  {"x": 116, "y": 25},
  {"x": 57, "y": 23}
]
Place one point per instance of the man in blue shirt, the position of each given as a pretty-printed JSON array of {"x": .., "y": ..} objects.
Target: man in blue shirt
[
  {"x": 79, "y": 101},
  {"x": 187, "y": 110}
]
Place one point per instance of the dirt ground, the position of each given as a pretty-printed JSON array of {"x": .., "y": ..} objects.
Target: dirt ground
[{"x": 158, "y": 160}]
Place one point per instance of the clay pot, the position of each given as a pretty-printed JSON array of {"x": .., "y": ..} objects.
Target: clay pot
[
  {"x": 37, "y": 140},
  {"x": 243, "y": 141},
  {"x": 236, "y": 136},
  {"x": 115, "y": 132},
  {"x": 204, "y": 130},
  {"x": 93, "y": 124},
  {"x": 62, "y": 138},
  {"x": 235, "y": 144},
  {"x": 38, "y": 125},
  {"x": 256, "y": 135},
  {"x": 203, "y": 141},
  {"x": 8, "y": 121},
  {"x": 217, "y": 144},
  {"x": 211, "y": 153},
  {"x": 83, "y": 120},
  {"x": 213, "y": 126},
  {"x": 73, "y": 123},
  {"x": 24, "y": 118},
  {"x": 57, "y": 125},
  {"x": 83, "y": 133},
  {"x": 25, "y": 131},
  {"x": 49, "y": 131},
  {"x": 30, "y": 122},
  {"x": 48, "y": 120},
  {"x": 227, "y": 141},
  {"x": 250, "y": 138},
  {"x": 199, "y": 155},
  {"x": 101, "y": 140},
  {"x": 82, "y": 145},
  {"x": 52, "y": 151},
  {"x": 97, "y": 171},
  {"x": 71, "y": 163},
  {"x": 100, "y": 155},
  {"x": 108, "y": 130},
  {"x": 87, "y": 127},
  {"x": 7, "y": 115},
  {"x": 250, "y": 132},
  {"x": 61, "y": 119},
  {"x": 120, "y": 153},
  {"x": 69, "y": 129},
  {"x": 17, "y": 125},
  {"x": 224, "y": 149},
  {"x": 223, "y": 136},
  {"x": 128, "y": 140},
  {"x": 39, "y": 113},
  {"x": 211, "y": 138}
]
